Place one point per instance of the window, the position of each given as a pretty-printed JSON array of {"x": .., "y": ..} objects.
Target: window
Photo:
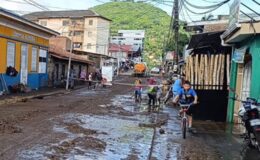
[
  {"x": 43, "y": 23},
  {"x": 77, "y": 45},
  {"x": 114, "y": 38},
  {"x": 138, "y": 39},
  {"x": 89, "y": 34},
  {"x": 34, "y": 59},
  {"x": 121, "y": 38},
  {"x": 90, "y": 22},
  {"x": 78, "y": 33},
  {"x": 10, "y": 54},
  {"x": 42, "y": 61},
  {"x": 89, "y": 46},
  {"x": 65, "y": 22}
]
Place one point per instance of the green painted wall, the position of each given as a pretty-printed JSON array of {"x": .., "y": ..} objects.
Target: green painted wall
[
  {"x": 254, "y": 46},
  {"x": 233, "y": 83},
  {"x": 255, "y": 83}
]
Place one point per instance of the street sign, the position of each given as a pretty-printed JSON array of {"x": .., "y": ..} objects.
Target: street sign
[{"x": 238, "y": 55}]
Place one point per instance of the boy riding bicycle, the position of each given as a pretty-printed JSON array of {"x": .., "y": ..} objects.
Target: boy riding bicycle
[{"x": 187, "y": 95}]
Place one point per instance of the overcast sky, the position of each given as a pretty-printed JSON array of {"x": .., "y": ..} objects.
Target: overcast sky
[{"x": 22, "y": 7}]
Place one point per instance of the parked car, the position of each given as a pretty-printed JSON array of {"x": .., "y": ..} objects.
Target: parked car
[{"x": 155, "y": 70}]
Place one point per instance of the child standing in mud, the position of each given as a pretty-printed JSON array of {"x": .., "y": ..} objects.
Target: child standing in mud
[{"x": 138, "y": 90}]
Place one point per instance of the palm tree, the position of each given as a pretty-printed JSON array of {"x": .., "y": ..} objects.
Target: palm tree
[{"x": 207, "y": 17}]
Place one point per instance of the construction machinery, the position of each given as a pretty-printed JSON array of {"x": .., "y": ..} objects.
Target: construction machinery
[{"x": 140, "y": 69}]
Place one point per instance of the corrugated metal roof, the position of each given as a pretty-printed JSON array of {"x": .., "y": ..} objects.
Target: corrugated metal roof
[
  {"x": 62, "y": 54},
  {"x": 16, "y": 17},
  {"x": 62, "y": 14}
]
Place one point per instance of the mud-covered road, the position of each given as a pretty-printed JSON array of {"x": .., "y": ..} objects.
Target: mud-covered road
[{"x": 106, "y": 124}]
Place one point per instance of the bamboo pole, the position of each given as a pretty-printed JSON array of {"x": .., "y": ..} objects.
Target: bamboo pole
[
  {"x": 196, "y": 68},
  {"x": 189, "y": 68},
  {"x": 218, "y": 71},
  {"x": 212, "y": 57},
  {"x": 222, "y": 71},
  {"x": 206, "y": 72},
  {"x": 215, "y": 71},
  {"x": 201, "y": 71},
  {"x": 186, "y": 67},
  {"x": 228, "y": 69},
  {"x": 198, "y": 73},
  {"x": 192, "y": 70}
]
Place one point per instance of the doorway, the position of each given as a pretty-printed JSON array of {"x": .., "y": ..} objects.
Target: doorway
[{"x": 24, "y": 64}]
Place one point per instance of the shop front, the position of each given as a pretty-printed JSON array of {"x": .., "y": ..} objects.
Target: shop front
[{"x": 23, "y": 52}]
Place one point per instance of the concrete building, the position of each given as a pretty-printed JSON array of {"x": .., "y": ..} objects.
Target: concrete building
[
  {"x": 91, "y": 30},
  {"x": 245, "y": 73},
  {"x": 120, "y": 52},
  {"x": 134, "y": 38},
  {"x": 58, "y": 65},
  {"x": 24, "y": 49}
]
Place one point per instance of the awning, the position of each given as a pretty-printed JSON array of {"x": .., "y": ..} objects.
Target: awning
[{"x": 204, "y": 40}]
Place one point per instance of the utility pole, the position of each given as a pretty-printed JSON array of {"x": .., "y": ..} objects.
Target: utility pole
[
  {"x": 176, "y": 27},
  {"x": 118, "y": 62},
  {"x": 69, "y": 65}
]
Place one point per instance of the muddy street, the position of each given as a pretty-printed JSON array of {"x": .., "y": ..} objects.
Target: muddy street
[{"x": 106, "y": 124}]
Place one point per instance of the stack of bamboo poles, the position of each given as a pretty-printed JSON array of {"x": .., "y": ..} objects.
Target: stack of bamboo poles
[{"x": 207, "y": 71}]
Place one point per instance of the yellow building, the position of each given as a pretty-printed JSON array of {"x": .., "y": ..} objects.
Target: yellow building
[{"x": 23, "y": 47}]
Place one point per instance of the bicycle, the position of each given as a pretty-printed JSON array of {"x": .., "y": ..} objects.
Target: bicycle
[{"x": 184, "y": 120}]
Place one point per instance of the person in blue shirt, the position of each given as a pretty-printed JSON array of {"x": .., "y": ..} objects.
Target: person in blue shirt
[
  {"x": 187, "y": 95},
  {"x": 177, "y": 85}
]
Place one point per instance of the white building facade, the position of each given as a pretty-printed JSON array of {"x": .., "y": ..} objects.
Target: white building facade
[{"x": 134, "y": 38}]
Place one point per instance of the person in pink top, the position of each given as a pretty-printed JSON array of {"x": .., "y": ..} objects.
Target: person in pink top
[{"x": 138, "y": 90}]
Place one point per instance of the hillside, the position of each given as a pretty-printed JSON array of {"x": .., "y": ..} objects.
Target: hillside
[{"x": 129, "y": 15}]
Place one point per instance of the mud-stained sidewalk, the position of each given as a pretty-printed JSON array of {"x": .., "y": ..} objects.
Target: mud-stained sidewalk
[{"x": 106, "y": 124}]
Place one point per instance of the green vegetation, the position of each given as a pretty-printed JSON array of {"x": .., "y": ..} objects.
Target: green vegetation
[{"x": 143, "y": 16}]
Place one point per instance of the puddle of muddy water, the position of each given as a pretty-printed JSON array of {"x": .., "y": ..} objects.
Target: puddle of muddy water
[
  {"x": 91, "y": 92},
  {"x": 115, "y": 138},
  {"x": 127, "y": 102}
]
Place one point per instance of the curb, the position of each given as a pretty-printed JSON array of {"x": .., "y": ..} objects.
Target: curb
[{"x": 16, "y": 99}]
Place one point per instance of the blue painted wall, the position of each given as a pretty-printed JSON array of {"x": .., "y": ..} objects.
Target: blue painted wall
[{"x": 35, "y": 80}]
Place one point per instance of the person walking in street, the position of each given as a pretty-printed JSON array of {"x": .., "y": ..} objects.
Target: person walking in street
[
  {"x": 138, "y": 91},
  {"x": 89, "y": 80},
  {"x": 152, "y": 92},
  {"x": 72, "y": 78}
]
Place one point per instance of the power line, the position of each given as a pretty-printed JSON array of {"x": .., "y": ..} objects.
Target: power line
[
  {"x": 208, "y": 11},
  {"x": 256, "y": 2},
  {"x": 250, "y": 9},
  {"x": 35, "y": 4},
  {"x": 206, "y": 7},
  {"x": 49, "y": 6}
]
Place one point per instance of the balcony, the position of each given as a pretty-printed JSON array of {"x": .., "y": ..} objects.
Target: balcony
[
  {"x": 78, "y": 38},
  {"x": 77, "y": 27}
]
